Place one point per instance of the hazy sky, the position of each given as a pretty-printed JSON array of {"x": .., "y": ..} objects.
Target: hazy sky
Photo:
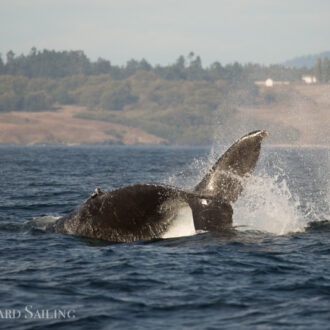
[{"x": 263, "y": 31}]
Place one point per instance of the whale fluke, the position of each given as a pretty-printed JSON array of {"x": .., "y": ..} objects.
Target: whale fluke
[{"x": 228, "y": 175}]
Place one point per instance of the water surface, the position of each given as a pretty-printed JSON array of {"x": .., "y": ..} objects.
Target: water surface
[{"x": 268, "y": 272}]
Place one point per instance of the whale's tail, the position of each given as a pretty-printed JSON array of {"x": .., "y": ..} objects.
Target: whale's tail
[{"x": 227, "y": 177}]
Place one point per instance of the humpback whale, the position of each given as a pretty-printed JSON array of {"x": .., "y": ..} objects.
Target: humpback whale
[{"x": 146, "y": 211}]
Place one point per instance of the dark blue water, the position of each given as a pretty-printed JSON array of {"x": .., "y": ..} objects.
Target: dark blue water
[{"x": 268, "y": 272}]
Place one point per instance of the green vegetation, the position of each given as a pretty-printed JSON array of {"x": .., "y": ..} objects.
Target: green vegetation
[
  {"x": 322, "y": 70},
  {"x": 180, "y": 102},
  {"x": 55, "y": 65}
]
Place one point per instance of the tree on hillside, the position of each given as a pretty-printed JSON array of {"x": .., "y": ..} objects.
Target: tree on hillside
[
  {"x": 37, "y": 101},
  {"x": 10, "y": 63},
  {"x": 325, "y": 70},
  {"x": 134, "y": 66},
  {"x": 195, "y": 70},
  {"x": 60, "y": 64},
  {"x": 117, "y": 96},
  {"x": 145, "y": 66},
  {"x": 217, "y": 71},
  {"x": 318, "y": 69},
  {"x": 10, "y": 101},
  {"x": 2, "y": 66},
  {"x": 233, "y": 72},
  {"x": 101, "y": 66}
]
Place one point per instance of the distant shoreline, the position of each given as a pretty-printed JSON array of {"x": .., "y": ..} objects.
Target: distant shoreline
[{"x": 297, "y": 117}]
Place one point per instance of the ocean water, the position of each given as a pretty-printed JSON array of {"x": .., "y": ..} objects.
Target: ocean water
[{"x": 271, "y": 271}]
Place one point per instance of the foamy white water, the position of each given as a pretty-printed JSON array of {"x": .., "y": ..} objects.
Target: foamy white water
[
  {"x": 42, "y": 222},
  {"x": 268, "y": 205}
]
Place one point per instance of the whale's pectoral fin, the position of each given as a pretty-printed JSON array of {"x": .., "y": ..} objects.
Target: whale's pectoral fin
[{"x": 228, "y": 176}]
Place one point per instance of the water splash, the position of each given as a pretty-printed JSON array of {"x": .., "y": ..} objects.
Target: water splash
[
  {"x": 268, "y": 205},
  {"x": 191, "y": 175},
  {"x": 41, "y": 222}
]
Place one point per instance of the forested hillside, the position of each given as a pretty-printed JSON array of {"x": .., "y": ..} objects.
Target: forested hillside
[{"x": 181, "y": 102}]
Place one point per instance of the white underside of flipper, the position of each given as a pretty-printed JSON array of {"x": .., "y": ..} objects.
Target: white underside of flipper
[{"x": 182, "y": 224}]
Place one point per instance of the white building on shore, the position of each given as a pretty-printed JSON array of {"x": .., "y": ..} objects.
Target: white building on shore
[
  {"x": 309, "y": 79},
  {"x": 271, "y": 83}
]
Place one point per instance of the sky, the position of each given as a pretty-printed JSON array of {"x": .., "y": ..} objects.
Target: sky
[{"x": 259, "y": 31}]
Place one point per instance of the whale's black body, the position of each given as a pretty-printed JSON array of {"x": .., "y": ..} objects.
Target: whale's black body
[{"x": 145, "y": 211}]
